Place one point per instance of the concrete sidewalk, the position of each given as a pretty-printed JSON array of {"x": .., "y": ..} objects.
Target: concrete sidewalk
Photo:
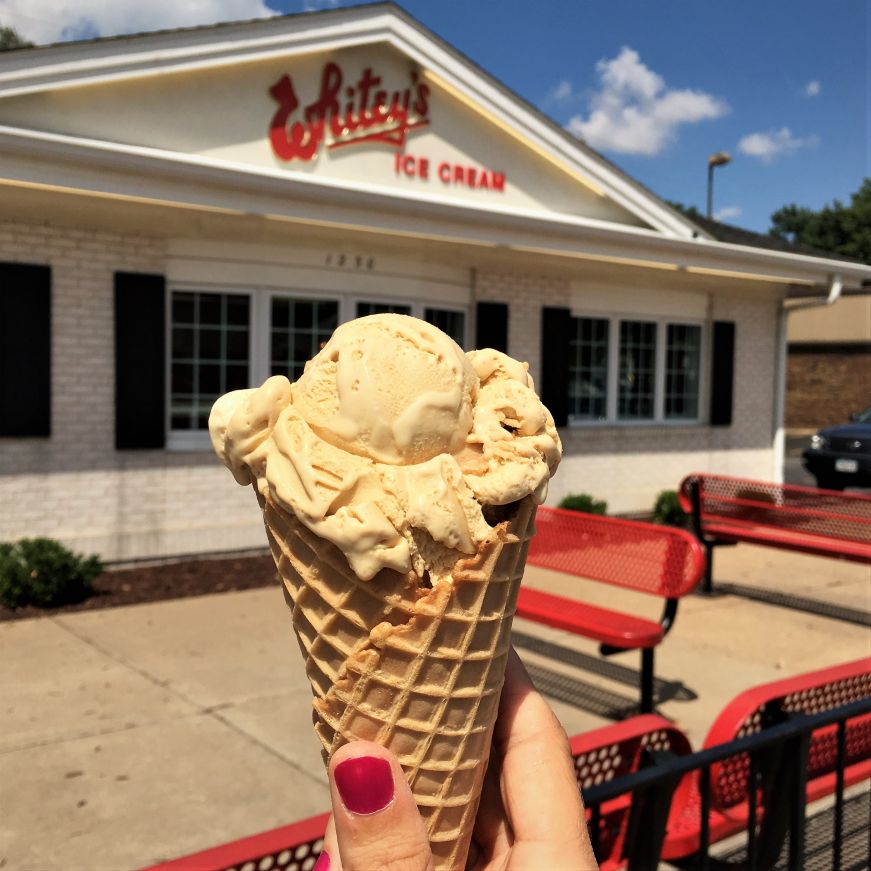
[{"x": 142, "y": 733}]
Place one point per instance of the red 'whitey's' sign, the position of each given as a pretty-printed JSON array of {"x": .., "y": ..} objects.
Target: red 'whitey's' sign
[{"x": 345, "y": 114}]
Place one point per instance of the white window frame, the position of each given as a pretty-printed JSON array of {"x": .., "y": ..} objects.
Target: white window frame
[
  {"x": 611, "y": 402},
  {"x": 261, "y": 373},
  {"x": 418, "y": 308},
  {"x": 198, "y": 439},
  {"x": 259, "y": 334}
]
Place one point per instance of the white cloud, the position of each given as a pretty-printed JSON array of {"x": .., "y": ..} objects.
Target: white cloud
[
  {"x": 43, "y": 21},
  {"x": 727, "y": 212},
  {"x": 812, "y": 89},
  {"x": 634, "y": 112},
  {"x": 774, "y": 144},
  {"x": 561, "y": 93}
]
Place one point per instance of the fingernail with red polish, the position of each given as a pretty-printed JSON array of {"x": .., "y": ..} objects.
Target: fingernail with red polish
[
  {"x": 323, "y": 863},
  {"x": 365, "y": 784}
]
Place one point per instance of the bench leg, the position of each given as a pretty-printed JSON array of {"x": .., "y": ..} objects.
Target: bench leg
[
  {"x": 707, "y": 586},
  {"x": 647, "y": 680}
]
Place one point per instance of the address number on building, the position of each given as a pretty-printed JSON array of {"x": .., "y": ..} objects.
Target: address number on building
[{"x": 350, "y": 261}]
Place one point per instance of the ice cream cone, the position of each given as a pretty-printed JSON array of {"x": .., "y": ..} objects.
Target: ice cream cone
[{"x": 417, "y": 669}]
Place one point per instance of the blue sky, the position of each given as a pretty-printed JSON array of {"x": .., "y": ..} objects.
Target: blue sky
[{"x": 656, "y": 85}]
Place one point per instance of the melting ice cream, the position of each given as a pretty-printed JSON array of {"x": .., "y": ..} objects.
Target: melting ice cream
[{"x": 391, "y": 443}]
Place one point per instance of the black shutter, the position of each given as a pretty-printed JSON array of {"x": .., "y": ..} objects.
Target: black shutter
[
  {"x": 722, "y": 372},
  {"x": 140, "y": 361},
  {"x": 491, "y": 326},
  {"x": 25, "y": 350},
  {"x": 554, "y": 390}
]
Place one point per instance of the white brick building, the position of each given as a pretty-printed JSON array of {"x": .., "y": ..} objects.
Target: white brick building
[{"x": 186, "y": 212}]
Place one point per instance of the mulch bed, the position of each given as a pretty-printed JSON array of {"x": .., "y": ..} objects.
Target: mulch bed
[{"x": 154, "y": 583}]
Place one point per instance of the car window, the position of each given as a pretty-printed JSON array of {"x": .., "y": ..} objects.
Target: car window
[{"x": 865, "y": 416}]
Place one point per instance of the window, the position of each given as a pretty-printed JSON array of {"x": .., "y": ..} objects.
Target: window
[
  {"x": 448, "y": 321},
  {"x": 682, "y": 363},
  {"x": 633, "y": 371},
  {"x": 380, "y": 308},
  {"x": 635, "y": 399},
  {"x": 209, "y": 353},
  {"x": 221, "y": 340},
  {"x": 588, "y": 369},
  {"x": 299, "y": 328}
]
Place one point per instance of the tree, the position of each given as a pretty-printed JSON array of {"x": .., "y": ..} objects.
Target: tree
[
  {"x": 837, "y": 228},
  {"x": 9, "y": 39},
  {"x": 690, "y": 211}
]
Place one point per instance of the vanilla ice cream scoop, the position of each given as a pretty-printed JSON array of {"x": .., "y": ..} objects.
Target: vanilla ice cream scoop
[
  {"x": 389, "y": 387},
  {"x": 392, "y": 443}
]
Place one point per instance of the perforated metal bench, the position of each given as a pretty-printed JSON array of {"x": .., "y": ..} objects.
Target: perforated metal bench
[
  {"x": 294, "y": 847},
  {"x": 728, "y": 510},
  {"x": 656, "y": 560},
  {"x": 612, "y": 752},
  {"x": 775, "y": 773}
]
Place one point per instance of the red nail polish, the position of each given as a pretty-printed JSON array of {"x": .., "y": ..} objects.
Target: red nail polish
[
  {"x": 365, "y": 784},
  {"x": 323, "y": 863}
]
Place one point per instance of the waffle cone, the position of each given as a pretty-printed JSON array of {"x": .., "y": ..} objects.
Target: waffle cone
[{"x": 416, "y": 669}]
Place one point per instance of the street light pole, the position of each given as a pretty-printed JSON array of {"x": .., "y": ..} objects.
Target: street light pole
[{"x": 721, "y": 158}]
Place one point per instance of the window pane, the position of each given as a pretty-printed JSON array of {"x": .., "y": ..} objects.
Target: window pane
[
  {"x": 682, "y": 363},
  {"x": 637, "y": 379},
  {"x": 182, "y": 342},
  {"x": 210, "y": 344},
  {"x": 210, "y": 338},
  {"x": 380, "y": 308},
  {"x": 300, "y": 328},
  {"x": 209, "y": 308},
  {"x": 588, "y": 369},
  {"x": 237, "y": 344},
  {"x": 183, "y": 308},
  {"x": 451, "y": 322}
]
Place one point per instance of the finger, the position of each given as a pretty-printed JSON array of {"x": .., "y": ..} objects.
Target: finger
[
  {"x": 329, "y": 859},
  {"x": 492, "y": 836},
  {"x": 534, "y": 749},
  {"x": 377, "y": 824}
]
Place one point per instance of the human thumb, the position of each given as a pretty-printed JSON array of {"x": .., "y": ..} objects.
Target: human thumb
[{"x": 375, "y": 821}]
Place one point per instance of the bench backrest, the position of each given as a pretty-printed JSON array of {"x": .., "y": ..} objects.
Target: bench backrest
[
  {"x": 294, "y": 847},
  {"x": 753, "y": 710},
  {"x": 803, "y": 510},
  {"x": 615, "y": 751},
  {"x": 659, "y": 560}
]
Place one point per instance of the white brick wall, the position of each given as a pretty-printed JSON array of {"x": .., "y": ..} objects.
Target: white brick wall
[
  {"x": 629, "y": 465},
  {"x": 76, "y": 487}
]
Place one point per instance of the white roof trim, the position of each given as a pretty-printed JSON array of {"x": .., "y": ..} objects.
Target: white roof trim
[
  {"x": 139, "y": 173},
  {"x": 77, "y": 64}
]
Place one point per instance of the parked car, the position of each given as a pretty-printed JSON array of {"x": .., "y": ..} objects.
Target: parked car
[{"x": 840, "y": 456}]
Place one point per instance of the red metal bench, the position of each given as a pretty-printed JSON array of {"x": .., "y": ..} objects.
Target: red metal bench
[
  {"x": 751, "y": 712},
  {"x": 615, "y": 751},
  {"x": 727, "y": 510},
  {"x": 295, "y": 847},
  {"x": 599, "y": 756},
  {"x": 657, "y": 560},
  {"x": 666, "y": 821}
]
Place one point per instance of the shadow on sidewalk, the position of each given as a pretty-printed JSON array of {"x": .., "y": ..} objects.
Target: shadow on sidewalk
[{"x": 588, "y": 697}]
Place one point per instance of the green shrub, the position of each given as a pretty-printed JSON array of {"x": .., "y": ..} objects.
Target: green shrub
[
  {"x": 585, "y": 503},
  {"x": 42, "y": 572},
  {"x": 667, "y": 510}
]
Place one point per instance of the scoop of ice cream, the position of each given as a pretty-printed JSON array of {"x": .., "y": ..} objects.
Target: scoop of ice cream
[
  {"x": 392, "y": 443},
  {"x": 389, "y": 387}
]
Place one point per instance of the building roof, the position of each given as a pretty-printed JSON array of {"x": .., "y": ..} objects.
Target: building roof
[
  {"x": 739, "y": 236},
  {"x": 666, "y": 234}
]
